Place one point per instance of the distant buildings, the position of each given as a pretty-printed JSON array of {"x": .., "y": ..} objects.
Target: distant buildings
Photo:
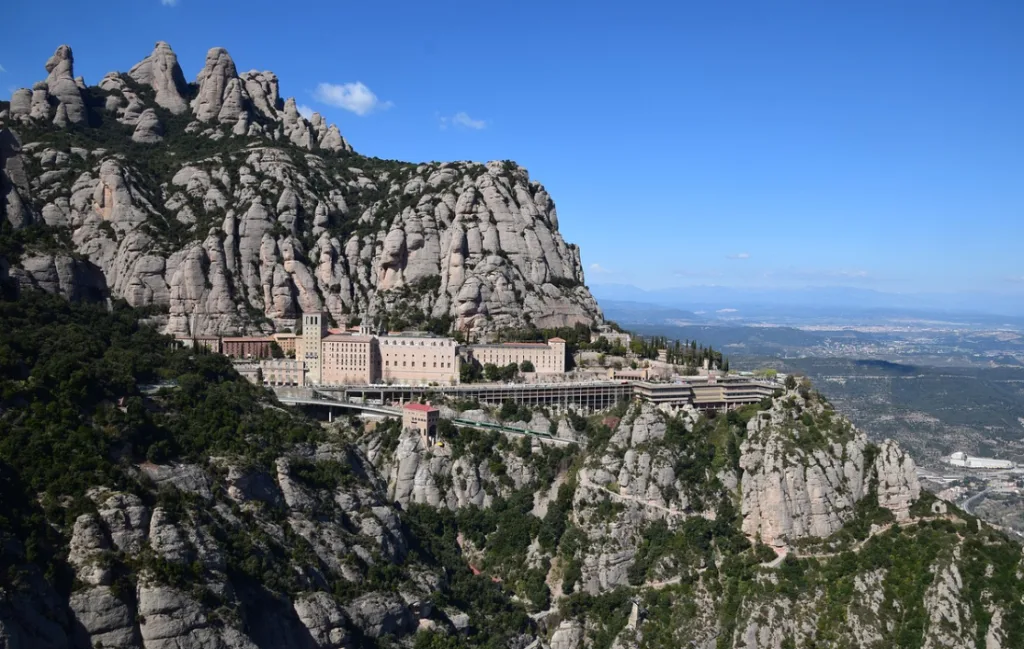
[
  {"x": 283, "y": 372},
  {"x": 286, "y": 342},
  {"x": 250, "y": 371},
  {"x": 308, "y": 347},
  {"x": 611, "y": 336},
  {"x": 419, "y": 358},
  {"x": 961, "y": 459},
  {"x": 349, "y": 359},
  {"x": 321, "y": 356},
  {"x": 640, "y": 374},
  {"x": 547, "y": 358},
  {"x": 247, "y": 347},
  {"x": 211, "y": 343},
  {"x": 361, "y": 357}
]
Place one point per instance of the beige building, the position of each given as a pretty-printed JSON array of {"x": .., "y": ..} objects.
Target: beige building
[
  {"x": 356, "y": 356},
  {"x": 287, "y": 343},
  {"x": 611, "y": 336},
  {"x": 283, "y": 371},
  {"x": 421, "y": 417},
  {"x": 314, "y": 328},
  {"x": 249, "y": 370},
  {"x": 349, "y": 360},
  {"x": 640, "y": 374},
  {"x": 418, "y": 358},
  {"x": 547, "y": 358}
]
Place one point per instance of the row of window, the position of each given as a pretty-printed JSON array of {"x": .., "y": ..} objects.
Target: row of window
[
  {"x": 388, "y": 364},
  {"x": 422, "y": 343}
]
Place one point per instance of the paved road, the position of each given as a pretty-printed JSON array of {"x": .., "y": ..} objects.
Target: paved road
[{"x": 969, "y": 503}]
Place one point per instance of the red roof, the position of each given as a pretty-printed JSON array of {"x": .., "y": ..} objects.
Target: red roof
[
  {"x": 422, "y": 407},
  {"x": 556, "y": 340}
]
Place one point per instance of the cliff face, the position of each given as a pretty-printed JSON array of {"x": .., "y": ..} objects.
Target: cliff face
[
  {"x": 206, "y": 515},
  {"x": 219, "y": 198},
  {"x": 776, "y": 528},
  {"x": 800, "y": 482}
]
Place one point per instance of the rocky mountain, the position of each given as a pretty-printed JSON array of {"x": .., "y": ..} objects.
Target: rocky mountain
[
  {"x": 204, "y": 514},
  {"x": 218, "y": 198}
]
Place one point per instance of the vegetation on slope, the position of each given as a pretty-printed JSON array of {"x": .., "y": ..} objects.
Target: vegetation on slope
[{"x": 88, "y": 394}]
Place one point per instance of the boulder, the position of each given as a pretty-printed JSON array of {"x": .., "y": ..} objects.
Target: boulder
[
  {"x": 379, "y": 614},
  {"x": 148, "y": 129}
]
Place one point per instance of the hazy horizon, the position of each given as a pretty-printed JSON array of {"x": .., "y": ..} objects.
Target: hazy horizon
[{"x": 695, "y": 297}]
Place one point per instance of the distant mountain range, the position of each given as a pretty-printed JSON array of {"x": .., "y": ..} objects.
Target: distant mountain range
[{"x": 807, "y": 305}]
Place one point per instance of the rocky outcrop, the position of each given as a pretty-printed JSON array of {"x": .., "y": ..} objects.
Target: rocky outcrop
[
  {"x": 433, "y": 476},
  {"x": 63, "y": 275},
  {"x": 796, "y": 485},
  {"x": 326, "y": 622},
  {"x": 896, "y": 476},
  {"x": 950, "y": 622},
  {"x": 283, "y": 219},
  {"x": 161, "y": 72},
  {"x": 377, "y": 614},
  {"x": 15, "y": 190},
  {"x": 148, "y": 129},
  {"x": 568, "y": 635},
  {"x": 62, "y": 86},
  {"x": 216, "y": 88}
]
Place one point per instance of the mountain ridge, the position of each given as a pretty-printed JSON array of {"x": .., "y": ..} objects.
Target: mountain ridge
[{"x": 218, "y": 198}]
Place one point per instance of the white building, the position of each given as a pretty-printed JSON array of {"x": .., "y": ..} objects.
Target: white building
[{"x": 966, "y": 461}]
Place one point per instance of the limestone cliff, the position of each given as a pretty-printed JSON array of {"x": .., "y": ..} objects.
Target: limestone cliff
[
  {"x": 219, "y": 198},
  {"x": 805, "y": 469},
  {"x": 681, "y": 530}
]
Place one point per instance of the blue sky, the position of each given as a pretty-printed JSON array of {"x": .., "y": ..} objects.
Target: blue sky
[{"x": 772, "y": 144}]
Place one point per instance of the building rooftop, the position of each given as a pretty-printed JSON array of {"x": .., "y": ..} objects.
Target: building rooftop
[
  {"x": 421, "y": 407},
  {"x": 512, "y": 345},
  {"x": 556, "y": 340},
  {"x": 347, "y": 338},
  {"x": 413, "y": 334}
]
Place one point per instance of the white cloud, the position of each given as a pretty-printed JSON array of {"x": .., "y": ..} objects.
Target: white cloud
[
  {"x": 3, "y": 69},
  {"x": 739, "y": 255},
  {"x": 598, "y": 269},
  {"x": 727, "y": 311},
  {"x": 304, "y": 110},
  {"x": 461, "y": 118},
  {"x": 169, "y": 3},
  {"x": 354, "y": 97}
]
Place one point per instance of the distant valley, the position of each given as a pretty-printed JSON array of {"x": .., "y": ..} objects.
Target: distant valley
[{"x": 936, "y": 382}]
